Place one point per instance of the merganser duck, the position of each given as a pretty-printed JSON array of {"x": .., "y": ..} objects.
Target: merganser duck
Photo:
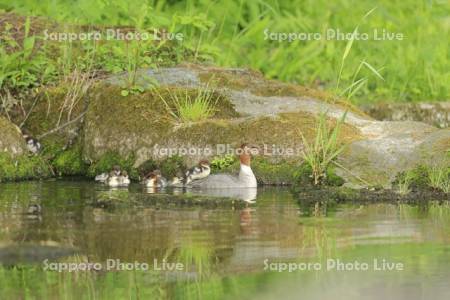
[
  {"x": 245, "y": 179},
  {"x": 33, "y": 144},
  {"x": 202, "y": 170}
]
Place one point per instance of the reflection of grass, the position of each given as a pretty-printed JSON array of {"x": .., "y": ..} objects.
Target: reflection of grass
[
  {"x": 32, "y": 282},
  {"x": 197, "y": 257}
]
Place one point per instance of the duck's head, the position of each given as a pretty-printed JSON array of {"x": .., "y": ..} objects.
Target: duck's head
[
  {"x": 157, "y": 173},
  {"x": 116, "y": 170},
  {"x": 151, "y": 179},
  {"x": 204, "y": 163},
  {"x": 245, "y": 153},
  {"x": 125, "y": 174}
]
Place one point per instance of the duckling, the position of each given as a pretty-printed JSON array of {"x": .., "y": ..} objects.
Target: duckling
[
  {"x": 113, "y": 180},
  {"x": 124, "y": 180},
  {"x": 34, "y": 209},
  {"x": 202, "y": 170},
  {"x": 177, "y": 180},
  {"x": 33, "y": 144},
  {"x": 151, "y": 180}
]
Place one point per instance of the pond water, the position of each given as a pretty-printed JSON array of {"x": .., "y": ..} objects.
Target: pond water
[{"x": 334, "y": 250}]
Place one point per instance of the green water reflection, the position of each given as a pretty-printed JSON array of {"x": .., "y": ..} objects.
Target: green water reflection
[{"x": 223, "y": 251}]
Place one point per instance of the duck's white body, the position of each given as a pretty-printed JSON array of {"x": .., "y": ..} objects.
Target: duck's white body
[
  {"x": 102, "y": 177},
  {"x": 118, "y": 181},
  {"x": 113, "y": 181},
  {"x": 246, "y": 179},
  {"x": 124, "y": 181}
]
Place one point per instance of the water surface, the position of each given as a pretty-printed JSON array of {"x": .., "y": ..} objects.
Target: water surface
[{"x": 225, "y": 252}]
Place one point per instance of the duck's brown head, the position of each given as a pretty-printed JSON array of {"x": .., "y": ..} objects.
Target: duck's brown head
[
  {"x": 116, "y": 169},
  {"x": 203, "y": 163},
  {"x": 245, "y": 153}
]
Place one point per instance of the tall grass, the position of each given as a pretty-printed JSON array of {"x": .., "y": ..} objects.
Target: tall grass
[
  {"x": 324, "y": 149},
  {"x": 188, "y": 106},
  {"x": 404, "y": 182},
  {"x": 439, "y": 177}
]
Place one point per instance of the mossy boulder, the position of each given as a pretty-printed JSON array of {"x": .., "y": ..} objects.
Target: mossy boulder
[
  {"x": 15, "y": 161},
  {"x": 267, "y": 113},
  {"x": 11, "y": 140},
  {"x": 23, "y": 167},
  {"x": 391, "y": 148},
  {"x": 249, "y": 108}
]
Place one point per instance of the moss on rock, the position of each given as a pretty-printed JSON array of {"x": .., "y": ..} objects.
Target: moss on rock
[
  {"x": 23, "y": 167},
  {"x": 70, "y": 162}
]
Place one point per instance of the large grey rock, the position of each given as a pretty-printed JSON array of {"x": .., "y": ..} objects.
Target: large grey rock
[
  {"x": 267, "y": 112},
  {"x": 435, "y": 113},
  {"x": 389, "y": 148}
]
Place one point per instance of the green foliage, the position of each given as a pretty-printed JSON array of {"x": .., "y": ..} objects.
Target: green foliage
[
  {"x": 172, "y": 165},
  {"x": 324, "y": 149},
  {"x": 185, "y": 106},
  {"x": 220, "y": 163},
  {"x": 22, "y": 65},
  {"x": 237, "y": 34},
  {"x": 23, "y": 167},
  {"x": 332, "y": 179},
  {"x": 304, "y": 176},
  {"x": 274, "y": 173},
  {"x": 70, "y": 162}
]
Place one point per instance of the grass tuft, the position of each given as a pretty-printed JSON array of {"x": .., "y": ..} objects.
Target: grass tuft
[
  {"x": 439, "y": 177},
  {"x": 324, "y": 149},
  {"x": 186, "y": 107}
]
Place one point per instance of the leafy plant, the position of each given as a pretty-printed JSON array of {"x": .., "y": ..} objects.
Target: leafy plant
[
  {"x": 325, "y": 147},
  {"x": 220, "y": 163},
  {"x": 22, "y": 65}
]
